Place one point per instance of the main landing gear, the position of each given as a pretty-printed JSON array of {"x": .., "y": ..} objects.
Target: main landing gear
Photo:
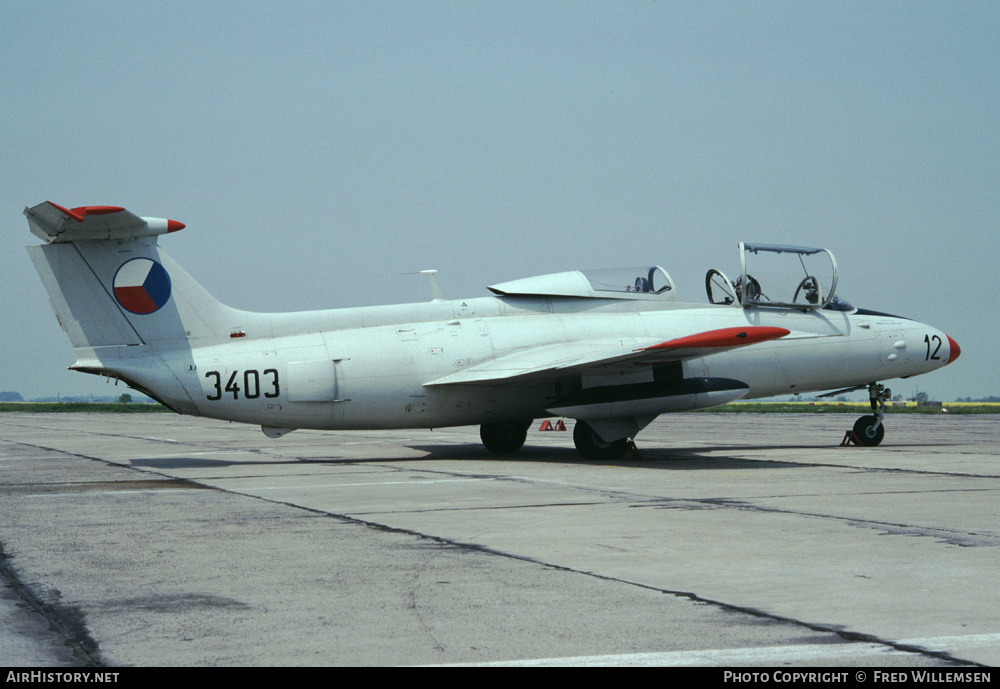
[
  {"x": 505, "y": 437},
  {"x": 590, "y": 445},
  {"x": 868, "y": 430},
  {"x": 508, "y": 437}
]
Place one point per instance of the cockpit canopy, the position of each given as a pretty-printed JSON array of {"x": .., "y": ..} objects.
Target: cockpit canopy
[
  {"x": 771, "y": 276},
  {"x": 648, "y": 282},
  {"x": 779, "y": 276}
]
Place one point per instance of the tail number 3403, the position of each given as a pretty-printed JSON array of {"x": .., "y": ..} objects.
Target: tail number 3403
[{"x": 254, "y": 383}]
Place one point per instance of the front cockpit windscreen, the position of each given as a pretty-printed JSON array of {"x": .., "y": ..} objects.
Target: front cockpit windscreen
[{"x": 838, "y": 304}]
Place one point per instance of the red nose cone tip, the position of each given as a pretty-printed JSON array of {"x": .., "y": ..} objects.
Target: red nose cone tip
[
  {"x": 173, "y": 226},
  {"x": 955, "y": 349}
]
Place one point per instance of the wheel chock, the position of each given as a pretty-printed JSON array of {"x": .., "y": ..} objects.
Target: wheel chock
[
  {"x": 850, "y": 438},
  {"x": 560, "y": 426},
  {"x": 546, "y": 426},
  {"x": 549, "y": 426}
]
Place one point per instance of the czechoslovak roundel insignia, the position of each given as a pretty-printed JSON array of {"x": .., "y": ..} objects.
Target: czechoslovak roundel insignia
[{"x": 142, "y": 286}]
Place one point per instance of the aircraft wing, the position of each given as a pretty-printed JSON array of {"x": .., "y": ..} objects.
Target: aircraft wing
[
  {"x": 55, "y": 224},
  {"x": 539, "y": 363}
]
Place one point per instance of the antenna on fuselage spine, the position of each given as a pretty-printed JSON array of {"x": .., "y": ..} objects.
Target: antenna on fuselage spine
[{"x": 436, "y": 293}]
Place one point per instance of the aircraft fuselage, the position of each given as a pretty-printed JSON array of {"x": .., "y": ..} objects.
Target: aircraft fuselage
[{"x": 368, "y": 370}]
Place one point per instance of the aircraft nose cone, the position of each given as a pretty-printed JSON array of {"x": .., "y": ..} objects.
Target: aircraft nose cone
[{"x": 955, "y": 349}]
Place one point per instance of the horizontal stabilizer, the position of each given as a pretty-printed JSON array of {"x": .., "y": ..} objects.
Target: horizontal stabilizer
[{"x": 54, "y": 224}]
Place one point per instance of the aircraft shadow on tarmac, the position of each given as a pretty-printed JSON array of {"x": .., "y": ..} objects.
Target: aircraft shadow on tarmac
[
  {"x": 669, "y": 458},
  {"x": 167, "y": 463},
  {"x": 657, "y": 458}
]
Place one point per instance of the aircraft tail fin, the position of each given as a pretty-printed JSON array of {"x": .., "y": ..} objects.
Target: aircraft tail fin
[{"x": 111, "y": 285}]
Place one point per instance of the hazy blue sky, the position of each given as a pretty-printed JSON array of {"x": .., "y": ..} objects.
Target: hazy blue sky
[{"x": 319, "y": 150}]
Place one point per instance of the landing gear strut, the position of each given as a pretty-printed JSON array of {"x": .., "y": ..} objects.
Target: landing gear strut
[{"x": 869, "y": 430}]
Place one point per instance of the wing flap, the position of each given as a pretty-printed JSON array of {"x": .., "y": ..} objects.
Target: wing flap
[{"x": 565, "y": 358}]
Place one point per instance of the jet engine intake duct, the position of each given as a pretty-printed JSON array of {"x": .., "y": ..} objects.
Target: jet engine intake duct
[{"x": 658, "y": 397}]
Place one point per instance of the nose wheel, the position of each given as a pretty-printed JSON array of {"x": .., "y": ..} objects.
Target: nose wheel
[{"x": 868, "y": 430}]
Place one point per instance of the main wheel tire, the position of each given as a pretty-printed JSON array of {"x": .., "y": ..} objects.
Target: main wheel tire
[
  {"x": 504, "y": 437},
  {"x": 590, "y": 445},
  {"x": 867, "y": 433}
]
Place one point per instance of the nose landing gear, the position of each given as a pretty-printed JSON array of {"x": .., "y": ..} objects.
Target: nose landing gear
[{"x": 868, "y": 430}]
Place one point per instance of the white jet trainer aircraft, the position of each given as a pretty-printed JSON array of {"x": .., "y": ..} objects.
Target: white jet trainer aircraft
[{"x": 612, "y": 349}]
